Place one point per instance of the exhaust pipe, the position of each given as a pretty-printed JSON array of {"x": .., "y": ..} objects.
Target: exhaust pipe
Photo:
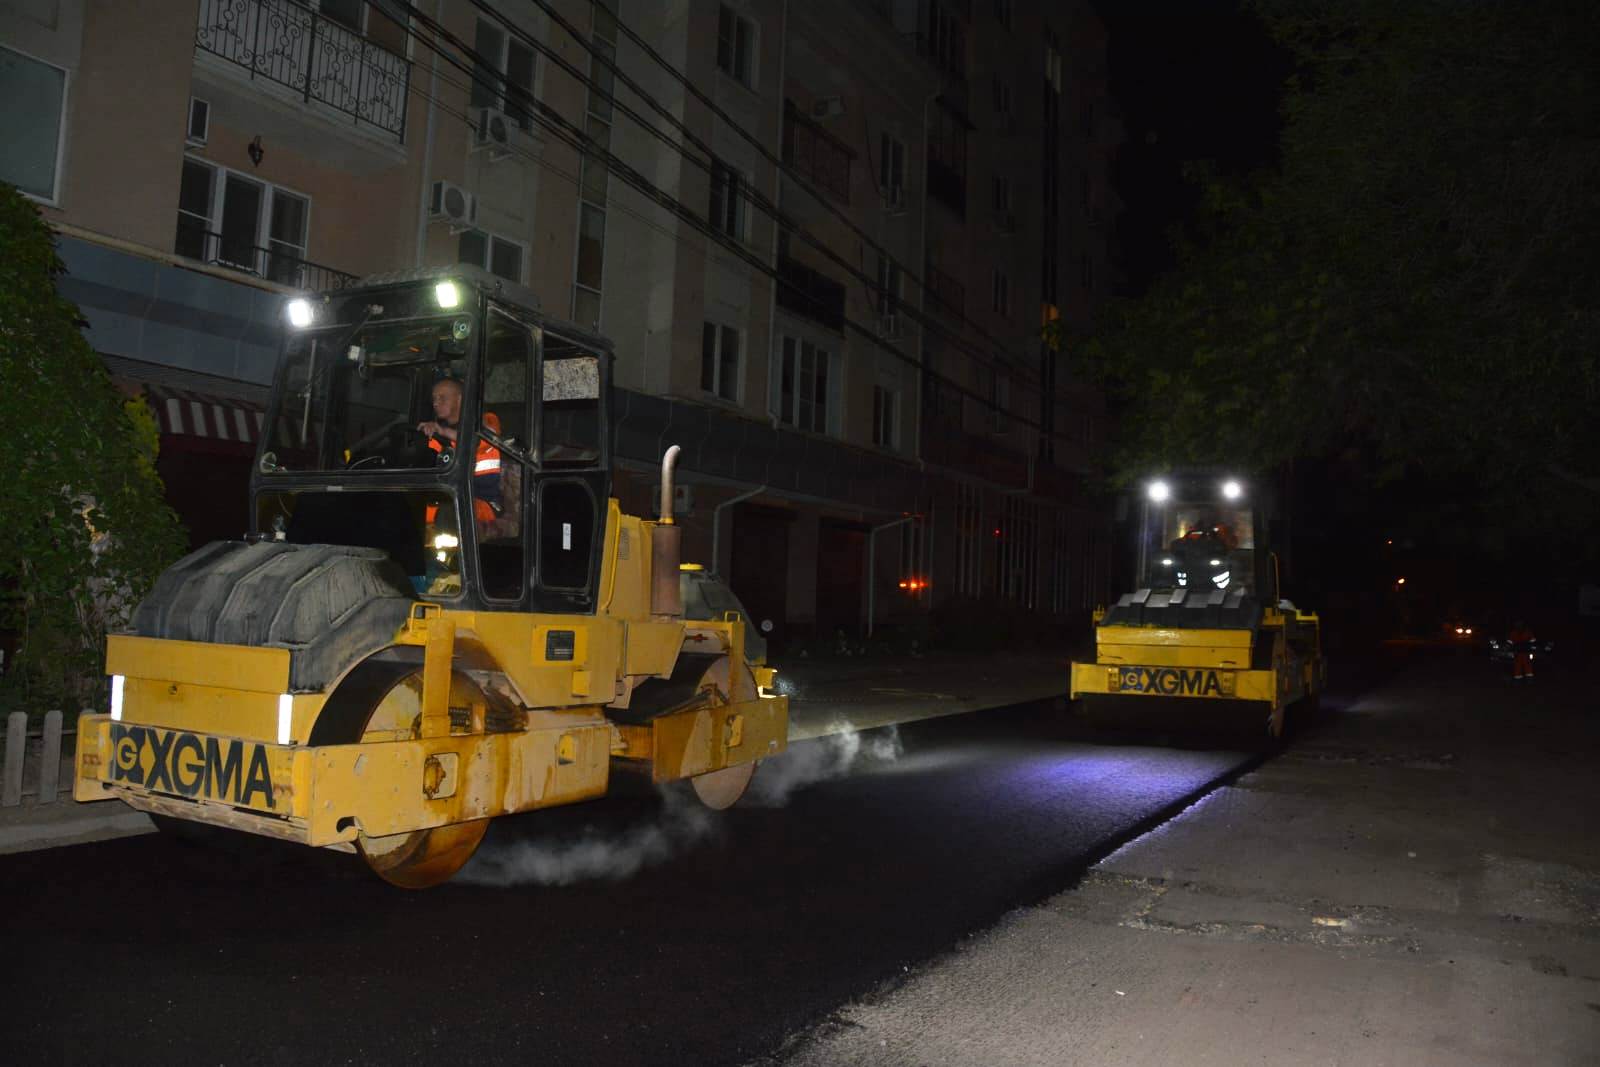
[{"x": 666, "y": 547}]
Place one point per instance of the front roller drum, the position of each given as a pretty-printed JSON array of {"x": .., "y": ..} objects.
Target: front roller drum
[
  {"x": 420, "y": 859},
  {"x": 720, "y": 790}
]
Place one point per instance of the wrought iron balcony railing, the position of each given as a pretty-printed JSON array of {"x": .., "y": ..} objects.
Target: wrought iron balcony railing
[
  {"x": 279, "y": 265},
  {"x": 289, "y": 44}
]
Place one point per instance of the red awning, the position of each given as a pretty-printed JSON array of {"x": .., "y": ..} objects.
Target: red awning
[{"x": 179, "y": 411}]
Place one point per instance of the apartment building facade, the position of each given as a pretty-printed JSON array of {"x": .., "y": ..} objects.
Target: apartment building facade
[{"x": 824, "y": 238}]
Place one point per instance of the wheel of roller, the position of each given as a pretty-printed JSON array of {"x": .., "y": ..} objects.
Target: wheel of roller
[
  {"x": 722, "y": 789},
  {"x": 419, "y": 859}
]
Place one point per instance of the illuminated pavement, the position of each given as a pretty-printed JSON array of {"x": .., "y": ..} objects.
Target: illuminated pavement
[
  {"x": 1417, "y": 880},
  {"x": 625, "y": 931}
]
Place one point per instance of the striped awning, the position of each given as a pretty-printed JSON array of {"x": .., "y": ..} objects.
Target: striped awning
[{"x": 180, "y": 411}]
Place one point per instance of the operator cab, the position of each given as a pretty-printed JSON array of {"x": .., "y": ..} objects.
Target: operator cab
[
  {"x": 1199, "y": 558},
  {"x": 504, "y": 510}
]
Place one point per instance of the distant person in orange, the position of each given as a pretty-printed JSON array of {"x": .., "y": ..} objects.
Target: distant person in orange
[{"x": 1521, "y": 638}]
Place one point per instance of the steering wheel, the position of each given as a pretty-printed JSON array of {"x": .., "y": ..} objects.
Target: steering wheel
[
  {"x": 374, "y": 460},
  {"x": 375, "y": 435}
]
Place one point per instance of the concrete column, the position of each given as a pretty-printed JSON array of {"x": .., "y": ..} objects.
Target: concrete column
[{"x": 50, "y": 761}]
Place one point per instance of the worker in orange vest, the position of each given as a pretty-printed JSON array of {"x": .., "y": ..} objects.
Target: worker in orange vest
[
  {"x": 443, "y": 430},
  {"x": 1521, "y": 638}
]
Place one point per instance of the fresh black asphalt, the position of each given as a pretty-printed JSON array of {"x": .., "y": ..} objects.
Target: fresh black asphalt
[{"x": 732, "y": 931}]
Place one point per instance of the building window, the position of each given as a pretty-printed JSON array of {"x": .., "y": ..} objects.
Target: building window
[
  {"x": 719, "y": 361},
  {"x": 1002, "y": 292},
  {"x": 891, "y": 285},
  {"x": 502, "y": 76},
  {"x": 239, "y": 222},
  {"x": 885, "y": 417},
  {"x": 1002, "y": 195},
  {"x": 807, "y": 387},
  {"x": 816, "y": 154},
  {"x": 969, "y": 539},
  {"x": 199, "y": 122},
  {"x": 492, "y": 252},
  {"x": 728, "y": 200},
  {"x": 736, "y": 37},
  {"x": 947, "y": 160},
  {"x": 31, "y": 127},
  {"x": 1002, "y": 98},
  {"x": 891, "y": 170}
]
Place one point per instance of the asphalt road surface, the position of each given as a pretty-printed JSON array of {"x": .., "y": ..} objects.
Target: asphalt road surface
[{"x": 636, "y": 930}]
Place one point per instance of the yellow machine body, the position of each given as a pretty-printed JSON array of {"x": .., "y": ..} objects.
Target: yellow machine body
[
  {"x": 1274, "y": 665},
  {"x": 212, "y": 733}
]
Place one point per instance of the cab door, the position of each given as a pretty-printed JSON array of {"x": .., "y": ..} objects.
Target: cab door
[{"x": 572, "y": 467}]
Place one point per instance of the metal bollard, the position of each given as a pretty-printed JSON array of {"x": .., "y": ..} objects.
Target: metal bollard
[
  {"x": 50, "y": 764},
  {"x": 16, "y": 744}
]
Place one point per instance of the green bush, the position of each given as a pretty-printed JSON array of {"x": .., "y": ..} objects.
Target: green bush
[{"x": 85, "y": 529}]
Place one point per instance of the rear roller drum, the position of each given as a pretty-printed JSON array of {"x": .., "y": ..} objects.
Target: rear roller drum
[{"x": 720, "y": 790}]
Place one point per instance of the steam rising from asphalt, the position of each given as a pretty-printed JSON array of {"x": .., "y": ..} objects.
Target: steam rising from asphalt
[
  {"x": 830, "y": 756},
  {"x": 682, "y": 823},
  {"x": 596, "y": 857}
]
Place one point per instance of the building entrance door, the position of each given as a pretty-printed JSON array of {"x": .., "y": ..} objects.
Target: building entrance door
[
  {"x": 759, "y": 570},
  {"x": 841, "y": 557}
]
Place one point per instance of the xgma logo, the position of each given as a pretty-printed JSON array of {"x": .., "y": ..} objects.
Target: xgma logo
[
  {"x": 164, "y": 761},
  {"x": 1175, "y": 681}
]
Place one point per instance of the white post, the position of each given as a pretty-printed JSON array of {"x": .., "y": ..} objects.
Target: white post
[
  {"x": 50, "y": 767},
  {"x": 16, "y": 742}
]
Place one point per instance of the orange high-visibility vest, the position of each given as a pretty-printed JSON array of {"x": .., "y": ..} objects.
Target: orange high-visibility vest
[{"x": 485, "y": 472}]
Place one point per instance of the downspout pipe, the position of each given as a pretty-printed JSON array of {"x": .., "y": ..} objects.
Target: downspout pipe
[
  {"x": 872, "y": 567},
  {"x": 427, "y": 149},
  {"x": 716, "y": 526}
]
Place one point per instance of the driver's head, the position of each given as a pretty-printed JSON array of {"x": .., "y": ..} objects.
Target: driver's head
[{"x": 447, "y": 401}]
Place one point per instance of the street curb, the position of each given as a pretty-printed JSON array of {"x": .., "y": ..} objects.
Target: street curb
[{"x": 73, "y": 827}]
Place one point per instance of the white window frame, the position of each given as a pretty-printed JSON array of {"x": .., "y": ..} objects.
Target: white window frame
[
  {"x": 189, "y": 137},
  {"x": 54, "y": 198},
  {"x": 733, "y": 199},
  {"x": 264, "y": 238},
  {"x": 751, "y": 79},
  {"x": 488, "y": 251},
  {"x": 720, "y": 334},
  {"x": 889, "y": 296},
  {"x": 890, "y": 146},
  {"x": 833, "y": 400},
  {"x": 1001, "y": 292},
  {"x": 886, "y": 424},
  {"x": 500, "y": 61}
]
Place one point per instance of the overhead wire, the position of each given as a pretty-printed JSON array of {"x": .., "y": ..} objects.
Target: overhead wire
[
  {"x": 756, "y": 198},
  {"x": 576, "y": 138}
]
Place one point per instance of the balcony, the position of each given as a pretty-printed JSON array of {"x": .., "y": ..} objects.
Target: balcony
[
  {"x": 286, "y": 44},
  {"x": 810, "y": 293},
  {"x": 279, "y": 265}
]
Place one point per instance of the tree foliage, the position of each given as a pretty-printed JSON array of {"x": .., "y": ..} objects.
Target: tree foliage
[
  {"x": 86, "y": 530},
  {"x": 1414, "y": 282}
]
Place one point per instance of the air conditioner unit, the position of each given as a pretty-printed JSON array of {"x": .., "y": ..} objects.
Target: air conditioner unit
[
  {"x": 889, "y": 326},
  {"x": 894, "y": 199},
  {"x": 493, "y": 130},
  {"x": 449, "y": 201},
  {"x": 827, "y": 107}
]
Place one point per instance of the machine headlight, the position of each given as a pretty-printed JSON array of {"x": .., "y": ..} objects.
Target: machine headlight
[
  {"x": 445, "y": 541},
  {"x": 448, "y": 294},
  {"x": 1159, "y": 491},
  {"x": 1232, "y": 489},
  {"x": 301, "y": 313}
]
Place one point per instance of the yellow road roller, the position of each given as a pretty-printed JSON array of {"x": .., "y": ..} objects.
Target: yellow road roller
[
  {"x": 1205, "y": 640},
  {"x": 439, "y": 613}
]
